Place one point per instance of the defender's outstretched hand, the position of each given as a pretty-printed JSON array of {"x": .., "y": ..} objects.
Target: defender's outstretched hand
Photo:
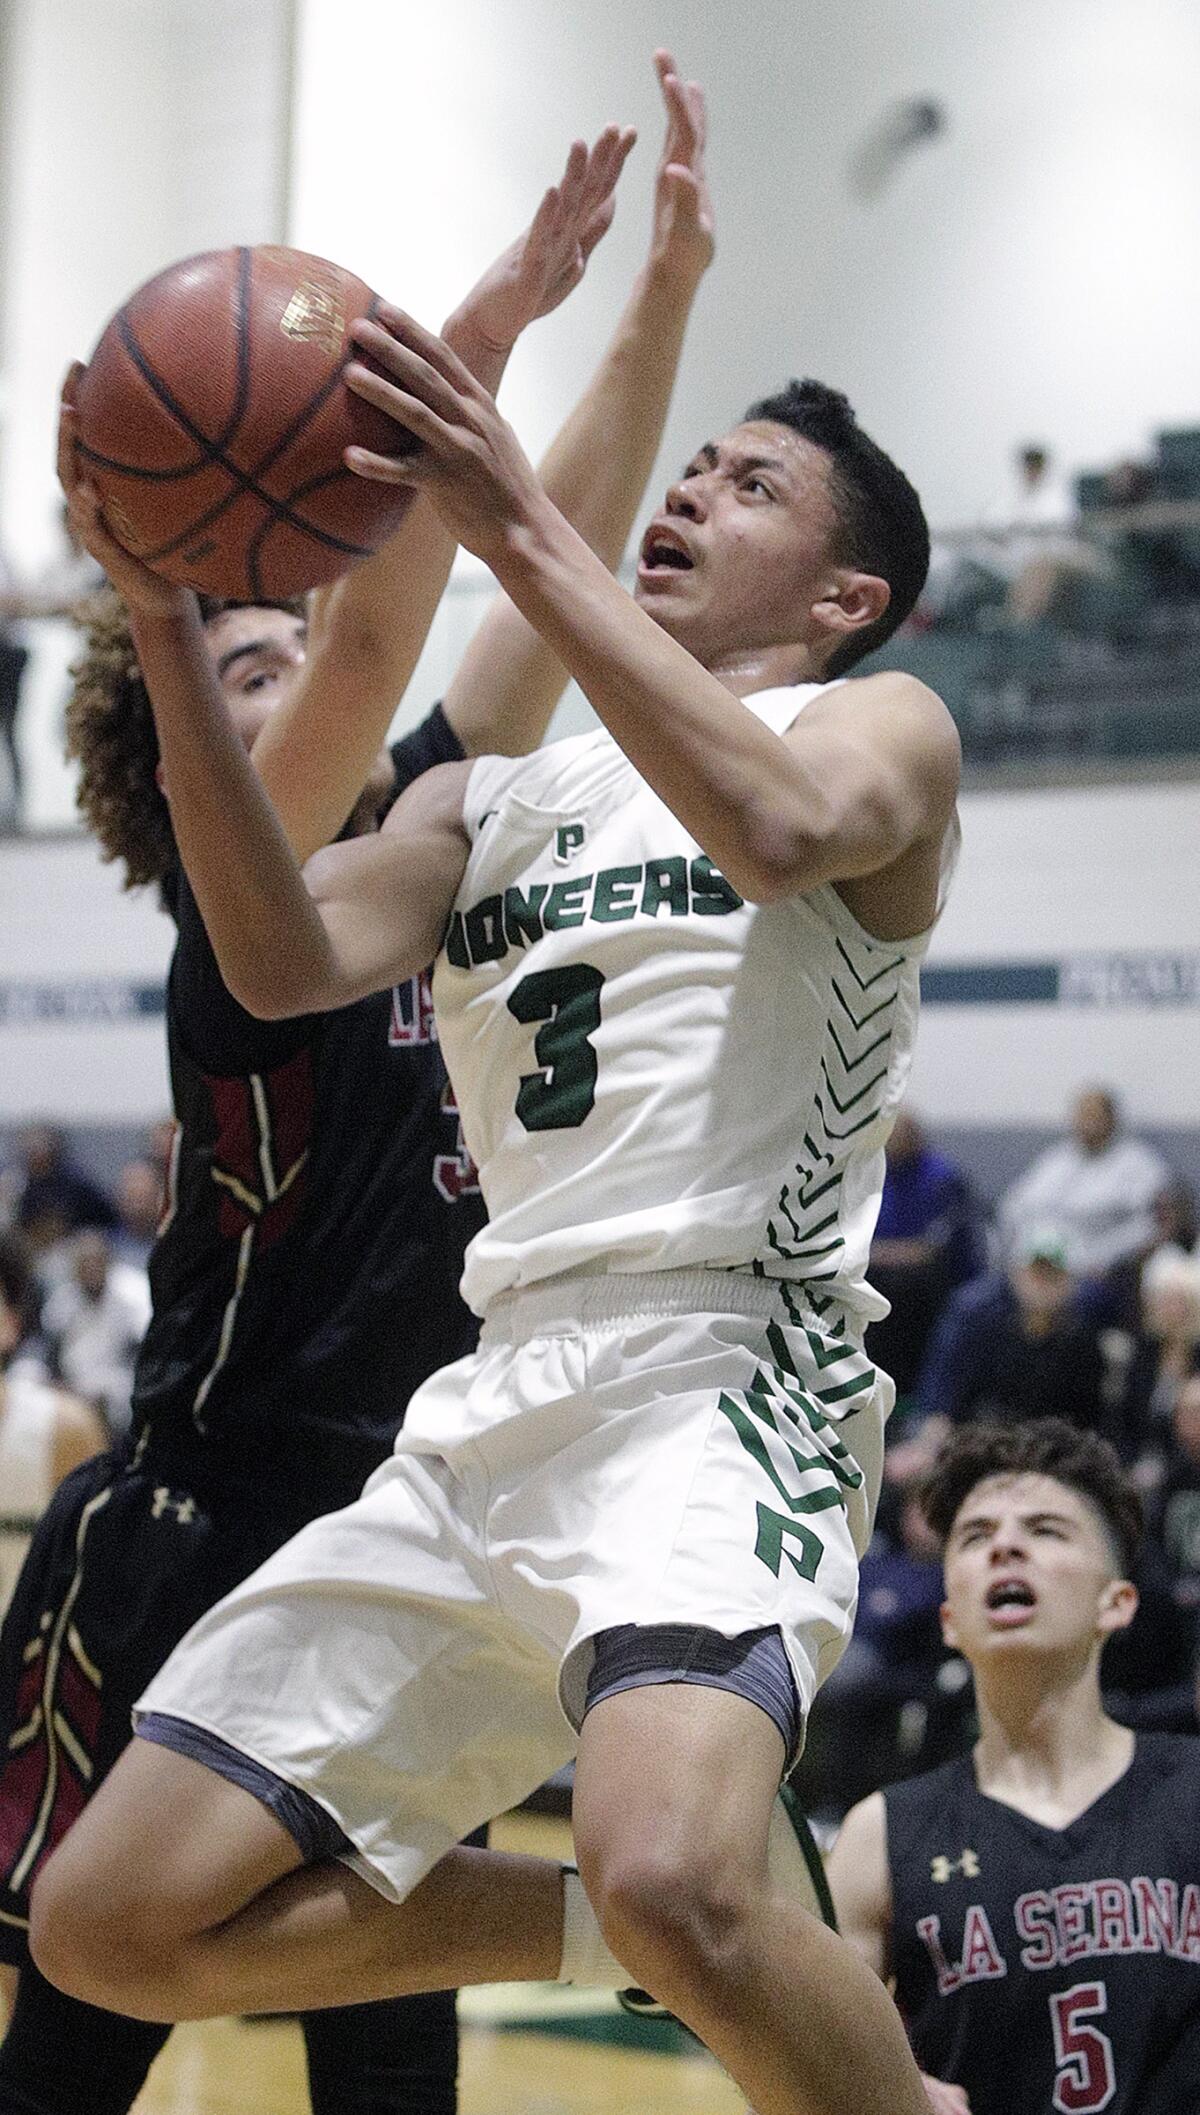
[
  {"x": 138, "y": 587},
  {"x": 547, "y": 262},
  {"x": 682, "y": 237}
]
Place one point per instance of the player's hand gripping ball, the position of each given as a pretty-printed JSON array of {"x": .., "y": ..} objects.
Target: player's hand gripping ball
[{"x": 212, "y": 417}]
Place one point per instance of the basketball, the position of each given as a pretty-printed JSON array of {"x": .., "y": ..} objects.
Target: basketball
[{"x": 212, "y": 417}]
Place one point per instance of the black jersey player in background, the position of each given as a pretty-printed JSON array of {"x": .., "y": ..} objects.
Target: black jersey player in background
[
  {"x": 305, "y": 1279},
  {"x": 1038, "y": 1901}
]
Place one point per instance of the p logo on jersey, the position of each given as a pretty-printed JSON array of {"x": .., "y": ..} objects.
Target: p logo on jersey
[{"x": 569, "y": 838}]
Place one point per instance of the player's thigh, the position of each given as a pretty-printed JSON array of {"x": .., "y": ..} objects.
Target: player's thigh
[
  {"x": 166, "y": 1847},
  {"x": 674, "y": 1786}
]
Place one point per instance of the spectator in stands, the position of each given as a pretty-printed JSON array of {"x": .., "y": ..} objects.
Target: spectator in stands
[
  {"x": 44, "y": 1432},
  {"x": 1176, "y": 1226},
  {"x": 1034, "y": 547},
  {"x": 1162, "y": 1356},
  {"x": 926, "y": 1243},
  {"x": 1015, "y": 1345},
  {"x": 54, "y": 1197},
  {"x": 1149, "y": 1673},
  {"x": 55, "y": 590},
  {"x": 1152, "y": 555},
  {"x": 1097, "y": 1187},
  {"x": 1175, "y": 1510},
  {"x": 139, "y": 1208},
  {"x": 93, "y": 1322}
]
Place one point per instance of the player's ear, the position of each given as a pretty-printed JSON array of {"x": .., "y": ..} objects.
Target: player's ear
[
  {"x": 1118, "y": 1607},
  {"x": 949, "y": 1633},
  {"x": 849, "y": 601},
  {"x": 160, "y": 780}
]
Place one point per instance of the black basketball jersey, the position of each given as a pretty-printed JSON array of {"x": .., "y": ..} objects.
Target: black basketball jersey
[
  {"x": 1053, "y": 1969},
  {"x": 305, "y": 1279}
]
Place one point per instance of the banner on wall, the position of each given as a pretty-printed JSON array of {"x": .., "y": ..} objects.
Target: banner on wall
[
  {"x": 1088, "y": 980},
  {"x": 1116, "y": 981}
]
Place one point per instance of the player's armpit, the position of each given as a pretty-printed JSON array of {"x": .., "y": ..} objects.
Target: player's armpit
[
  {"x": 857, "y": 1871},
  {"x": 883, "y": 758},
  {"x": 384, "y": 901}
]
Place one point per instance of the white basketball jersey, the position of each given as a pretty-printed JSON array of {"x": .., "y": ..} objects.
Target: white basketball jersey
[{"x": 652, "y": 1074}]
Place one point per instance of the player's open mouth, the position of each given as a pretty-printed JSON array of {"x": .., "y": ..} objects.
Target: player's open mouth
[
  {"x": 1009, "y": 1600},
  {"x": 663, "y": 551}
]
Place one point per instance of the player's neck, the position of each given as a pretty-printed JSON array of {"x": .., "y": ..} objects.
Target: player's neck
[
  {"x": 1046, "y": 1745},
  {"x": 764, "y": 668}
]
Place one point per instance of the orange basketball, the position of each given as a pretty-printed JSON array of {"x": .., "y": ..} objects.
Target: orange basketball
[{"x": 212, "y": 418}]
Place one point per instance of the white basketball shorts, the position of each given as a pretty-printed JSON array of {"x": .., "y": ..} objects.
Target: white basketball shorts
[{"x": 690, "y": 1447}]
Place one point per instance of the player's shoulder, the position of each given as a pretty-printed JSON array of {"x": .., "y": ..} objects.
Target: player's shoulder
[
  {"x": 860, "y": 1880},
  {"x": 863, "y": 1833},
  {"x": 909, "y": 708},
  {"x": 1170, "y": 1762},
  {"x": 913, "y": 1801}
]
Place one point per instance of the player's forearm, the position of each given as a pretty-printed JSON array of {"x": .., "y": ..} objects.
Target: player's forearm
[
  {"x": 595, "y": 472},
  {"x": 367, "y": 634},
  {"x": 596, "y": 469},
  {"x": 741, "y": 792},
  {"x": 267, "y": 936}
]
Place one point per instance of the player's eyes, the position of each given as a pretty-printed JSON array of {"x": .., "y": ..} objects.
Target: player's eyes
[
  {"x": 259, "y": 680},
  {"x": 757, "y": 484}
]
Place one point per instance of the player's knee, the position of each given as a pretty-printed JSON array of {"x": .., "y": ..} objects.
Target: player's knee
[{"x": 672, "y": 1918}]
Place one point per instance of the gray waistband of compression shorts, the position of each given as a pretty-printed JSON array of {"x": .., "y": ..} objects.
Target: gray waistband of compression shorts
[
  {"x": 754, "y": 1665},
  {"x": 315, "y": 1833},
  {"x": 575, "y": 1300}
]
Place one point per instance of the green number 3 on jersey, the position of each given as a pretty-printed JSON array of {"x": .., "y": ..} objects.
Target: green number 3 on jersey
[{"x": 567, "y": 1002}]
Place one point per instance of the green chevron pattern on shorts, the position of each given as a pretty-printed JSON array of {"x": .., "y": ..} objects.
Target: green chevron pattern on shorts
[{"x": 780, "y": 1397}]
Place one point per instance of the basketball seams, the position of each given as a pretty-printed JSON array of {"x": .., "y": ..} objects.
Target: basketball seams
[
  {"x": 286, "y": 516},
  {"x": 241, "y": 327},
  {"x": 244, "y": 481}
]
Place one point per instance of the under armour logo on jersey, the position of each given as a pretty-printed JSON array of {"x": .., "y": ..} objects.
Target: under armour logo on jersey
[
  {"x": 569, "y": 838},
  {"x": 941, "y": 1867},
  {"x": 165, "y": 1501}
]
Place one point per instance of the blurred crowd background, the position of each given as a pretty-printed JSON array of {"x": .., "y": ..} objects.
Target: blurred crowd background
[{"x": 1076, "y": 1289}]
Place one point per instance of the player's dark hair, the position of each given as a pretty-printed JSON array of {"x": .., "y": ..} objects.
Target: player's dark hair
[
  {"x": 112, "y": 736},
  {"x": 882, "y": 526},
  {"x": 1043, "y": 1446}
]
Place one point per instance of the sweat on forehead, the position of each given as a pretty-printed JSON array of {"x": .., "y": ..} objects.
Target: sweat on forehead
[{"x": 762, "y": 444}]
